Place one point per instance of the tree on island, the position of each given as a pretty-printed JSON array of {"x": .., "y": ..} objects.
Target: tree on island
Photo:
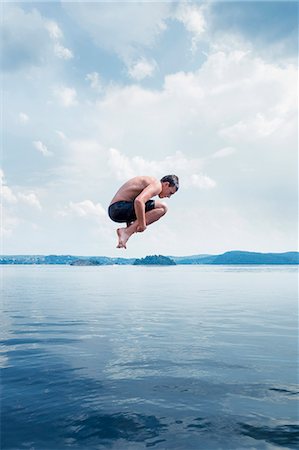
[{"x": 155, "y": 260}]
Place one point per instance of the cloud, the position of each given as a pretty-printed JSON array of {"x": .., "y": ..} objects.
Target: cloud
[
  {"x": 61, "y": 135},
  {"x": 224, "y": 152},
  {"x": 145, "y": 23},
  {"x": 11, "y": 197},
  {"x": 62, "y": 52},
  {"x": 56, "y": 34},
  {"x": 11, "y": 203},
  {"x": 54, "y": 30},
  {"x": 192, "y": 16},
  {"x": 141, "y": 69},
  {"x": 271, "y": 27},
  {"x": 195, "y": 112},
  {"x": 30, "y": 199},
  {"x": 8, "y": 223},
  {"x": 252, "y": 129},
  {"x": 28, "y": 39},
  {"x": 42, "y": 148},
  {"x": 124, "y": 167},
  {"x": 85, "y": 159},
  {"x": 24, "y": 38},
  {"x": 202, "y": 181},
  {"x": 95, "y": 81},
  {"x": 66, "y": 96},
  {"x": 105, "y": 23},
  {"x": 24, "y": 118},
  {"x": 6, "y": 193},
  {"x": 87, "y": 209}
]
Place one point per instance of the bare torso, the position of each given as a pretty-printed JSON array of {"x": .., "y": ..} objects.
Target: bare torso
[{"x": 132, "y": 188}]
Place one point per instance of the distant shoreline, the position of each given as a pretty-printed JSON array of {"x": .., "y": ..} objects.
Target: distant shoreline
[{"x": 227, "y": 258}]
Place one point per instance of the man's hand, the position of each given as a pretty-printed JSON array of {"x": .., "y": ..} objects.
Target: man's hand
[{"x": 141, "y": 228}]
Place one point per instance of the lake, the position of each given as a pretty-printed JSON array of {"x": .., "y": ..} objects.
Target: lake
[{"x": 137, "y": 357}]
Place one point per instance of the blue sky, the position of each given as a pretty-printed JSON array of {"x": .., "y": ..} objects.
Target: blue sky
[{"x": 94, "y": 93}]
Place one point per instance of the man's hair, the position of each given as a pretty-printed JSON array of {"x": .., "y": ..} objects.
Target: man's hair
[{"x": 173, "y": 180}]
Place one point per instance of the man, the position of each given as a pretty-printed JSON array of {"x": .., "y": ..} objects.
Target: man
[{"x": 132, "y": 204}]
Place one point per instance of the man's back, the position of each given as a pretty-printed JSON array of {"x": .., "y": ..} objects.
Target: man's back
[{"x": 132, "y": 188}]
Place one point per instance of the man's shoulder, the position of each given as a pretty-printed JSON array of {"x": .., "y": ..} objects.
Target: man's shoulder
[
  {"x": 154, "y": 183},
  {"x": 148, "y": 184},
  {"x": 150, "y": 180}
]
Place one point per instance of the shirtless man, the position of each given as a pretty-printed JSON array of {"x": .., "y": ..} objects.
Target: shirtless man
[{"x": 132, "y": 204}]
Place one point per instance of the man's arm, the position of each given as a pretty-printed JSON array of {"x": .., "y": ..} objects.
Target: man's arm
[{"x": 139, "y": 204}]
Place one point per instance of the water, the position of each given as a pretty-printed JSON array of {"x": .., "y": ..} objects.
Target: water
[{"x": 131, "y": 357}]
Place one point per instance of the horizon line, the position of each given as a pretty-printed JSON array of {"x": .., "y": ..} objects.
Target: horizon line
[{"x": 130, "y": 257}]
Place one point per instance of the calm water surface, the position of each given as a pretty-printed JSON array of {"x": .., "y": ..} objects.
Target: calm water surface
[{"x": 129, "y": 358}]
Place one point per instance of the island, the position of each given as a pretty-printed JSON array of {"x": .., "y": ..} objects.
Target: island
[{"x": 155, "y": 260}]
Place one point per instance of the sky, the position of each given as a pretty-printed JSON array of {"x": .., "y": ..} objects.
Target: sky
[{"x": 96, "y": 93}]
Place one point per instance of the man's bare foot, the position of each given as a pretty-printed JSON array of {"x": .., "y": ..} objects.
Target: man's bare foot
[{"x": 122, "y": 238}]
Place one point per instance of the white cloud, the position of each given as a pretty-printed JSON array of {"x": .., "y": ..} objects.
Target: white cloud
[
  {"x": 141, "y": 69},
  {"x": 7, "y": 194},
  {"x": 202, "y": 181},
  {"x": 11, "y": 205},
  {"x": 85, "y": 160},
  {"x": 223, "y": 152},
  {"x": 30, "y": 199},
  {"x": 62, "y": 52},
  {"x": 192, "y": 16},
  {"x": 54, "y": 30},
  {"x": 124, "y": 167},
  {"x": 56, "y": 34},
  {"x": 196, "y": 111},
  {"x": 24, "y": 118},
  {"x": 30, "y": 39},
  {"x": 95, "y": 81},
  {"x": 61, "y": 135},
  {"x": 66, "y": 96},
  {"x": 87, "y": 209},
  {"x": 8, "y": 223},
  {"x": 42, "y": 148},
  {"x": 252, "y": 129},
  {"x": 10, "y": 196},
  {"x": 121, "y": 165},
  {"x": 26, "y": 40},
  {"x": 105, "y": 23}
]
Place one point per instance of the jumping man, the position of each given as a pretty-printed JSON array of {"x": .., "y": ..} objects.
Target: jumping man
[{"x": 132, "y": 204}]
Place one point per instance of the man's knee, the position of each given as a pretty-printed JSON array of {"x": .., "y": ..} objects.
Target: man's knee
[{"x": 163, "y": 207}]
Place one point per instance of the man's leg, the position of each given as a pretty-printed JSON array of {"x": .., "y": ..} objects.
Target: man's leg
[{"x": 155, "y": 214}]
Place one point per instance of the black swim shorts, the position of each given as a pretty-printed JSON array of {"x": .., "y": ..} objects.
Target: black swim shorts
[{"x": 124, "y": 211}]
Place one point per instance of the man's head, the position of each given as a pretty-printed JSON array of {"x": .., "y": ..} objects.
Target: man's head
[{"x": 170, "y": 184}]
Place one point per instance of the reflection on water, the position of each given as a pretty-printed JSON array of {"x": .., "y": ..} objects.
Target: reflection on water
[{"x": 172, "y": 358}]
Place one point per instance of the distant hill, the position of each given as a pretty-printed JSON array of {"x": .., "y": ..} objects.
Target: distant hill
[
  {"x": 239, "y": 257},
  {"x": 232, "y": 257},
  {"x": 64, "y": 259},
  {"x": 155, "y": 260},
  {"x": 37, "y": 259}
]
